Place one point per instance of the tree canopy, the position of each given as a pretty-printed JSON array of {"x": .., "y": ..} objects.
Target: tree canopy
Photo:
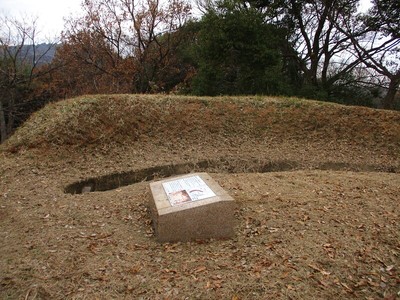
[{"x": 237, "y": 52}]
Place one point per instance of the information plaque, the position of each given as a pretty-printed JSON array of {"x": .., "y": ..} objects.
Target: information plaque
[
  {"x": 187, "y": 189},
  {"x": 191, "y": 207}
]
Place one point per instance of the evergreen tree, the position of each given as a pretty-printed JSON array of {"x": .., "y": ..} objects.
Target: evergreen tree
[{"x": 238, "y": 52}]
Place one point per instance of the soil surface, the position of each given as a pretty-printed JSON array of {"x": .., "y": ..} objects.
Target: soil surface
[{"x": 317, "y": 189}]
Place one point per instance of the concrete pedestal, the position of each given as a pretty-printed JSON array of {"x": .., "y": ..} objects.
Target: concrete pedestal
[{"x": 191, "y": 217}]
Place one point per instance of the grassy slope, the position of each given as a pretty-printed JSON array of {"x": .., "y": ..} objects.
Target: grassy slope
[{"x": 93, "y": 120}]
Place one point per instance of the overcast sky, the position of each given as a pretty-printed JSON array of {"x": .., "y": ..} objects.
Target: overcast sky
[{"x": 50, "y": 13}]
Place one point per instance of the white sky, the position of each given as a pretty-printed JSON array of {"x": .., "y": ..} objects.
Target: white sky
[{"x": 50, "y": 13}]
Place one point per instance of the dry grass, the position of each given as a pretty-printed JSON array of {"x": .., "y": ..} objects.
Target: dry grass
[
  {"x": 315, "y": 218},
  {"x": 96, "y": 120}
]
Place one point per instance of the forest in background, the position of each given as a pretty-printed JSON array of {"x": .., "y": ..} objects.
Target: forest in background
[{"x": 316, "y": 49}]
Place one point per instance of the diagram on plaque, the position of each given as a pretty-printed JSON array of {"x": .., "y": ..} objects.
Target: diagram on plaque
[{"x": 187, "y": 189}]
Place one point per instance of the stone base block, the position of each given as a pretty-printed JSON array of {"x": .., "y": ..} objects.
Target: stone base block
[{"x": 191, "y": 207}]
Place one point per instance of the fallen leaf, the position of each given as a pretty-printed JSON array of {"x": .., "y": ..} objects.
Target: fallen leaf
[
  {"x": 323, "y": 283},
  {"x": 169, "y": 271},
  {"x": 372, "y": 283},
  {"x": 361, "y": 283},
  {"x": 322, "y": 271},
  {"x": 348, "y": 289},
  {"x": 208, "y": 285},
  {"x": 200, "y": 269},
  {"x": 389, "y": 268},
  {"x": 284, "y": 275},
  {"x": 290, "y": 287},
  {"x": 217, "y": 284}
]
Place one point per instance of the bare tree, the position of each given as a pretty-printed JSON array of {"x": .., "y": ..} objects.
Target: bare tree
[
  {"x": 322, "y": 49},
  {"x": 204, "y": 6},
  {"x": 384, "y": 58},
  {"x": 136, "y": 34},
  {"x": 375, "y": 38},
  {"x": 19, "y": 64}
]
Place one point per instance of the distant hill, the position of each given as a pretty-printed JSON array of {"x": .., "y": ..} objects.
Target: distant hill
[{"x": 42, "y": 53}]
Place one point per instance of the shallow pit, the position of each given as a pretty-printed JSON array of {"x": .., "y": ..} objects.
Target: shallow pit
[{"x": 222, "y": 165}]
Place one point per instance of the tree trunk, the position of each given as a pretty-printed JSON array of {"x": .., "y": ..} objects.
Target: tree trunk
[
  {"x": 388, "y": 101},
  {"x": 11, "y": 111},
  {"x": 3, "y": 127}
]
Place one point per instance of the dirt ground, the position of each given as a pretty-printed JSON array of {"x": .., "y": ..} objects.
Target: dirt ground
[{"x": 317, "y": 218}]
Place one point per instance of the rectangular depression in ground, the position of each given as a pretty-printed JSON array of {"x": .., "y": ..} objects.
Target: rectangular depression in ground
[{"x": 191, "y": 207}]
